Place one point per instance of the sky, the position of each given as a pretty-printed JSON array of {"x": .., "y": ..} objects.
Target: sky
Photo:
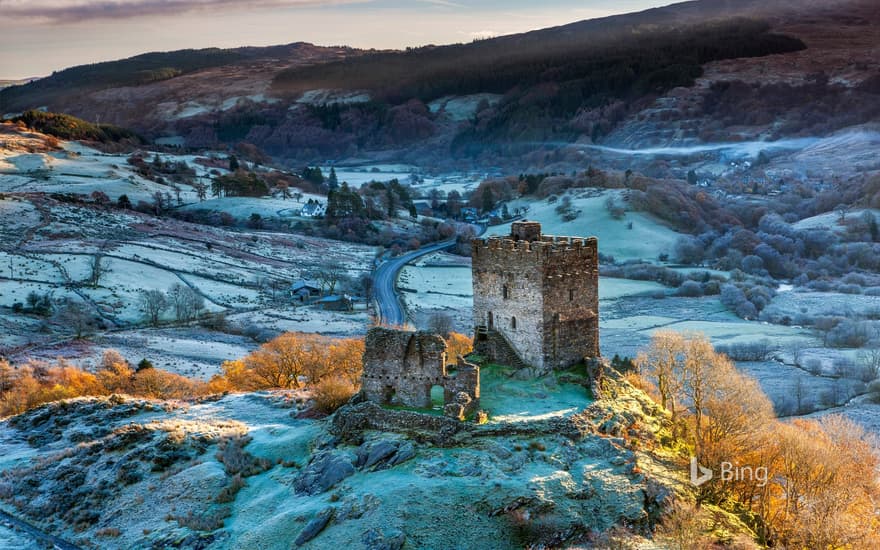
[{"x": 41, "y": 36}]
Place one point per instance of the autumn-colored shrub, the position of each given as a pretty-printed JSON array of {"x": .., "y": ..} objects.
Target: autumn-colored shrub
[
  {"x": 293, "y": 360},
  {"x": 332, "y": 393},
  {"x": 458, "y": 345}
]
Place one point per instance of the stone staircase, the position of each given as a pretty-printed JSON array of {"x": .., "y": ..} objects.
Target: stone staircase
[{"x": 495, "y": 347}]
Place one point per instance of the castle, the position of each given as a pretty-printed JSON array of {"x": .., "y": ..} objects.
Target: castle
[
  {"x": 536, "y": 307},
  {"x": 536, "y": 298}
]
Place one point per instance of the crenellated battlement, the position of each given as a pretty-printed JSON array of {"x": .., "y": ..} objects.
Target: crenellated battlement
[{"x": 577, "y": 250}]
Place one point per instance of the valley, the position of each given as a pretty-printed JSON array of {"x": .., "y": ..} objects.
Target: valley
[{"x": 305, "y": 296}]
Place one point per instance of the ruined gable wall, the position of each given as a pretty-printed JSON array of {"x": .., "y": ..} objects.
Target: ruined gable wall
[{"x": 401, "y": 367}]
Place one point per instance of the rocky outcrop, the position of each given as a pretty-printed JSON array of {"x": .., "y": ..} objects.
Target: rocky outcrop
[
  {"x": 323, "y": 472},
  {"x": 350, "y": 422},
  {"x": 314, "y": 527}
]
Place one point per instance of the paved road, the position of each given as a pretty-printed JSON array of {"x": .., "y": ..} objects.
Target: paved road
[
  {"x": 45, "y": 538},
  {"x": 390, "y": 311}
]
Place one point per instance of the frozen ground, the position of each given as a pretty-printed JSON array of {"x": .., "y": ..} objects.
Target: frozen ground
[
  {"x": 48, "y": 247},
  {"x": 832, "y": 220},
  {"x": 125, "y": 473},
  {"x": 510, "y": 400},
  {"x": 814, "y": 304},
  {"x": 12, "y": 538},
  {"x": 267, "y": 207}
]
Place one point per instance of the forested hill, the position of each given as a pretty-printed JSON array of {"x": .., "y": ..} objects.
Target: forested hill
[
  {"x": 148, "y": 68},
  {"x": 587, "y": 59},
  {"x": 646, "y": 79}
]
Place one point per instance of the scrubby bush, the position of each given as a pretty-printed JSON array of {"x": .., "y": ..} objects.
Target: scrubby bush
[
  {"x": 748, "y": 351},
  {"x": 332, "y": 393},
  {"x": 849, "y": 333},
  {"x": 690, "y": 289}
]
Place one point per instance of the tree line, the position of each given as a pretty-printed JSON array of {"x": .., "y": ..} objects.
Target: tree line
[{"x": 819, "y": 486}]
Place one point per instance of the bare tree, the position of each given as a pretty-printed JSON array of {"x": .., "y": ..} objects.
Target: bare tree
[
  {"x": 153, "y": 303},
  {"x": 73, "y": 314},
  {"x": 201, "y": 190},
  {"x": 329, "y": 275},
  {"x": 187, "y": 303},
  {"x": 869, "y": 357},
  {"x": 97, "y": 268},
  {"x": 158, "y": 203},
  {"x": 275, "y": 286},
  {"x": 663, "y": 360},
  {"x": 177, "y": 195},
  {"x": 797, "y": 351}
]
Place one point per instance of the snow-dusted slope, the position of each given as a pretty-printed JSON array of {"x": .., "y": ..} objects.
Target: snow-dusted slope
[{"x": 242, "y": 471}]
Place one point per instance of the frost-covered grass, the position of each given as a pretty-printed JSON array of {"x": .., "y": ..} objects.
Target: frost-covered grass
[
  {"x": 267, "y": 207},
  {"x": 77, "y": 169},
  {"x": 508, "y": 399},
  {"x": 831, "y": 220},
  {"x": 647, "y": 239},
  {"x": 818, "y": 304},
  {"x": 56, "y": 244}
]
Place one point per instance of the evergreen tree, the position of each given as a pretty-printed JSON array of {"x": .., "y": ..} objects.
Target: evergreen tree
[
  {"x": 332, "y": 180},
  {"x": 488, "y": 200}
]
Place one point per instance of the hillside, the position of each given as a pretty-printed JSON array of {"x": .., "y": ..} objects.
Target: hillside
[
  {"x": 695, "y": 69},
  {"x": 244, "y": 471}
]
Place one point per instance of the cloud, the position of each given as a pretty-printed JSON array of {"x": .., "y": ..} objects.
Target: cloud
[
  {"x": 444, "y": 3},
  {"x": 65, "y": 11}
]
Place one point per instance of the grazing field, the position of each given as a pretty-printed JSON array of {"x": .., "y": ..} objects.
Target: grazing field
[
  {"x": 51, "y": 252},
  {"x": 632, "y": 237}
]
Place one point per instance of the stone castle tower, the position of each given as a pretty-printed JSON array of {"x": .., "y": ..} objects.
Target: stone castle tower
[{"x": 536, "y": 298}]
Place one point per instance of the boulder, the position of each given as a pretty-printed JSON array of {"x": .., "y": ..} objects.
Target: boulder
[
  {"x": 323, "y": 472},
  {"x": 314, "y": 527}
]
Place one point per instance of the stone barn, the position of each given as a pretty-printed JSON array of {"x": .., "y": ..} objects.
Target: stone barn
[
  {"x": 401, "y": 368},
  {"x": 536, "y": 298}
]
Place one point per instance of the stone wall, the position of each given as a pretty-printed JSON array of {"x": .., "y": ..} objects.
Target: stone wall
[
  {"x": 540, "y": 292},
  {"x": 505, "y": 266},
  {"x": 461, "y": 393},
  {"x": 571, "y": 303},
  {"x": 400, "y": 367}
]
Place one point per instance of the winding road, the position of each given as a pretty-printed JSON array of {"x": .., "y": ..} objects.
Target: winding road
[
  {"x": 385, "y": 276},
  {"x": 49, "y": 541}
]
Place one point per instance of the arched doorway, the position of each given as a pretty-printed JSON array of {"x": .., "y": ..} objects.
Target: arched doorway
[{"x": 491, "y": 321}]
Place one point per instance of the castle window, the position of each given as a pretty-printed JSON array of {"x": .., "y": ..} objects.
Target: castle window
[
  {"x": 513, "y": 323},
  {"x": 571, "y": 295},
  {"x": 505, "y": 292}
]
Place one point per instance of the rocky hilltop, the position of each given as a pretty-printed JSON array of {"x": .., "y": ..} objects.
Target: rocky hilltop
[{"x": 247, "y": 471}]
